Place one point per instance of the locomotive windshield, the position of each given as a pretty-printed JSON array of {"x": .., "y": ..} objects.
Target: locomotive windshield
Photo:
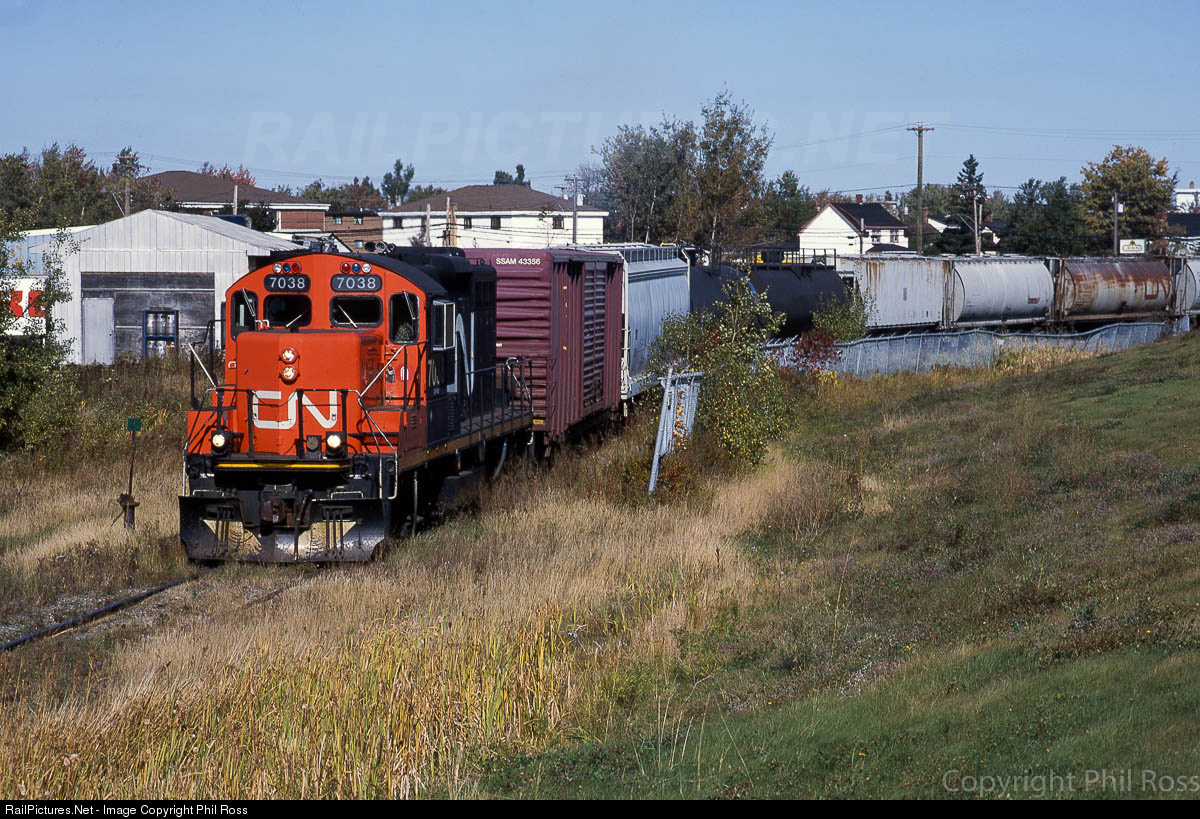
[
  {"x": 355, "y": 311},
  {"x": 289, "y": 310}
]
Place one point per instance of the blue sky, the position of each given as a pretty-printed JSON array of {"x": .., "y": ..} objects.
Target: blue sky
[{"x": 298, "y": 90}]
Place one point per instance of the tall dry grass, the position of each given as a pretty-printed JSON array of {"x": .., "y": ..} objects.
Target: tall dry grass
[
  {"x": 494, "y": 633},
  {"x": 58, "y": 501}
]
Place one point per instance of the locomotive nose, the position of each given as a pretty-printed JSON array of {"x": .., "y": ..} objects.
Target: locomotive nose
[{"x": 314, "y": 360}]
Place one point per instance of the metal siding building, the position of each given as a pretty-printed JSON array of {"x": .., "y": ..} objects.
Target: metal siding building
[
  {"x": 152, "y": 274},
  {"x": 655, "y": 286}
]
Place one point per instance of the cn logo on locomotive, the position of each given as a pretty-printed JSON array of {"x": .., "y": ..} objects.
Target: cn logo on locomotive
[{"x": 326, "y": 421}]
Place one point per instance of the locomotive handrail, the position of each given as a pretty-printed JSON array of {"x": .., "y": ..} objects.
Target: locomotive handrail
[
  {"x": 382, "y": 369},
  {"x": 378, "y": 431}
]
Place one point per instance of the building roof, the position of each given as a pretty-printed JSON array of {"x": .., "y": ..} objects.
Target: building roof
[
  {"x": 1188, "y": 222},
  {"x": 165, "y": 230},
  {"x": 871, "y": 214},
  {"x": 191, "y": 187},
  {"x": 495, "y": 198},
  {"x": 888, "y": 248}
]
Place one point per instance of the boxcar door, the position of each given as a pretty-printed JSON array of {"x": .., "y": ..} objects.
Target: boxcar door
[{"x": 595, "y": 310}]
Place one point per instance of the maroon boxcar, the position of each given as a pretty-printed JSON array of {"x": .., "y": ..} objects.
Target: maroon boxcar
[{"x": 561, "y": 309}]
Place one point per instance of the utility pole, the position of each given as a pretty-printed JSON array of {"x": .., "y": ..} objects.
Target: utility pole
[
  {"x": 574, "y": 209},
  {"x": 976, "y": 214},
  {"x": 451, "y": 233},
  {"x": 126, "y": 213},
  {"x": 1116, "y": 211},
  {"x": 574, "y": 180},
  {"x": 862, "y": 230},
  {"x": 920, "y": 128}
]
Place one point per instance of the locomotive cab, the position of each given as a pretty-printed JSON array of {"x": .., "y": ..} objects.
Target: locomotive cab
[{"x": 352, "y": 385}]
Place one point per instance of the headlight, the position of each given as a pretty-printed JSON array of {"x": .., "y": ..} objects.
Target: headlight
[
  {"x": 289, "y": 374},
  {"x": 288, "y": 356},
  {"x": 219, "y": 441},
  {"x": 333, "y": 443}
]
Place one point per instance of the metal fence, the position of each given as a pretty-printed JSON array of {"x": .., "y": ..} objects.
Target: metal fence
[
  {"x": 681, "y": 394},
  {"x": 920, "y": 352},
  {"x": 917, "y": 352}
]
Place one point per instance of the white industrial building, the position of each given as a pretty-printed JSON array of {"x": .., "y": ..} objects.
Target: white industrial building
[
  {"x": 150, "y": 281},
  {"x": 494, "y": 216}
]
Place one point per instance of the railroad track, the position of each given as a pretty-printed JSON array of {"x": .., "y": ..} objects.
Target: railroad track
[
  {"x": 127, "y": 602},
  {"x": 96, "y": 614}
]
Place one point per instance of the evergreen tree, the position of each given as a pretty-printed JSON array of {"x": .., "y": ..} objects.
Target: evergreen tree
[{"x": 969, "y": 188}]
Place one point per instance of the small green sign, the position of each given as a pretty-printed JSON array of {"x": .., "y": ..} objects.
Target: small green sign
[{"x": 134, "y": 424}]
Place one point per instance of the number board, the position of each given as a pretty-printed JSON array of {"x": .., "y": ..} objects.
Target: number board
[
  {"x": 356, "y": 283},
  {"x": 285, "y": 283}
]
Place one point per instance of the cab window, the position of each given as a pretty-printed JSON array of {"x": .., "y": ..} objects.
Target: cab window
[
  {"x": 442, "y": 332},
  {"x": 288, "y": 310},
  {"x": 244, "y": 312},
  {"x": 403, "y": 324},
  {"x": 355, "y": 311}
]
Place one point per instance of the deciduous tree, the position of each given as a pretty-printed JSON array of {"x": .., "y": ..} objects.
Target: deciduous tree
[
  {"x": 726, "y": 166},
  {"x": 1144, "y": 186}
]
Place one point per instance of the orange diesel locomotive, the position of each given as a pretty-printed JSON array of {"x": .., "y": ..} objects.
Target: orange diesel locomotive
[{"x": 359, "y": 391}]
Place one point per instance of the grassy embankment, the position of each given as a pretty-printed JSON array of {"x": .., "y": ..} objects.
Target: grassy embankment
[{"x": 993, "y": 573}]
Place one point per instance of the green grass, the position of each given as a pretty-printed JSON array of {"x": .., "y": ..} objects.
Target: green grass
[
  {"x": 988, "y": 725},
  {"x": 973, "y": 572}
]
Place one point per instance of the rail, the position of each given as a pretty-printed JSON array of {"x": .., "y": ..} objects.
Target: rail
[{"x": 96, "y": 614}]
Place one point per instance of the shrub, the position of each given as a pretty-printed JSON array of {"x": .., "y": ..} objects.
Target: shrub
[
  {"x": 744, "y": 400},
  {"x": 843, "y": 319},
  {"x": 31, "y": 363}
]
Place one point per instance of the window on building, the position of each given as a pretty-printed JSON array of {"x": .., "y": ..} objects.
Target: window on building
[
  {"x": 288, "y": 310},
  {"x": 557, "y": 222},
  {"x": 160, "y": 332},
  {"x": 895, "y": 237},
  {"x": 337, "y": 220},
  {"x": 358, "y": 220},
  {"x": 358, "y": 243},
  {"x": 496, "y": 223},
  {"x": 467, "y": 222},
  {"x": 403, "y": 325},
  {"x": 398, "y": 223},
  {"x": 355, "y": 311}
]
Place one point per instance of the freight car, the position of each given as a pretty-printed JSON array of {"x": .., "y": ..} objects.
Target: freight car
[
  {"x": 561, "y": 309},
  {"x": 706, "y": 284},
  {"x": 1186, "y": 274},
  {"x": 795, "y": 291},
  {"x": 1111, "y": 289},
  {"x": 655, "y": 285},
  {"x": 911, "y": 293},
  {"x": 358, "y": 391}
]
